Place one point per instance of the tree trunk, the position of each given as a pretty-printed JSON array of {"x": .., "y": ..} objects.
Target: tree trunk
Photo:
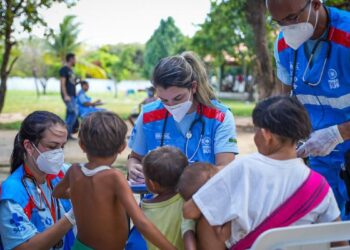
[
  {"x": 5, "y": 69},
  {"x": 221, "y": 75},
  {"x": 43, "y": 83},
  {"x": 255, "y": 14},
  {"x": 4, "y": 72},
  {"x": 36, "y": 83}
]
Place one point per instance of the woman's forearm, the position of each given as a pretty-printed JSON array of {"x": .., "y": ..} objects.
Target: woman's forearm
[{"x": 49, "y": 237}]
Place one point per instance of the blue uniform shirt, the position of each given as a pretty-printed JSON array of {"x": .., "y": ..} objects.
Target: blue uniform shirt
[
  {"x": 224, "y": 136},
  {"x": 15, "y": 226}
]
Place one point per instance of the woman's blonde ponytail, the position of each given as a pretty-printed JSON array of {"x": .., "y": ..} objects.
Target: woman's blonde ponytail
[{"x": 205, "y": 92}]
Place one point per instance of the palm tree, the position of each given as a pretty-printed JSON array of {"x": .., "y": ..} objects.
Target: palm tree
[{"x": 66, "y": 40}]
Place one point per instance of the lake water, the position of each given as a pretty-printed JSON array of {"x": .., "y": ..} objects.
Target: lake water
[{"x": 96, "y": 85}]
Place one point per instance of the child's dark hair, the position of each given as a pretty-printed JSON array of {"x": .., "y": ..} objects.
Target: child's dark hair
[
  {"x": 284, "y": 116},
  {"x": 164, "y": 165},
  {"x": 194, "y": 177},
  {"x": 102, "y": 134},
  {"x": 32, "y": 129}
]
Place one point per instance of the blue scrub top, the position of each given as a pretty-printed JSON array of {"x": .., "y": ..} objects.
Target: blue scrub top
[
  {"x": 15, "y": 226},
  {"x": 223, "y": 136}
]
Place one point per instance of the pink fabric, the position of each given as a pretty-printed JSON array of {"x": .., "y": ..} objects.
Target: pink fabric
[{"x": 307, "y": 197}]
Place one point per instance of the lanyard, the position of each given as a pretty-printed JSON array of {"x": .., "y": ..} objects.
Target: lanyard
[
  {"x": 42, "y": 196},
  {"x": 52, "y": 207}
]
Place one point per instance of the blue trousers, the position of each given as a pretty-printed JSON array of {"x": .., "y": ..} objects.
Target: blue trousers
[{"x": 71, "y": 113}]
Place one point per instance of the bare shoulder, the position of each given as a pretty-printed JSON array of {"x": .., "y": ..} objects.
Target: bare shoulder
[
  {"x": 117, "y": 175},
  {"x": 73, "y": 171},
  {"x": 115, "y": 178}
]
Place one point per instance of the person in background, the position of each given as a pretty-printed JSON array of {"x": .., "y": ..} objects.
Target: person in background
[
  {"x": 85, "y": 103},
  {"x": 150, "y": 98},
  {"x": 68, "y": 92}
]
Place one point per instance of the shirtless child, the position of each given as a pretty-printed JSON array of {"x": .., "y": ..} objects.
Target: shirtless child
[{"x": 100, "y": 195}]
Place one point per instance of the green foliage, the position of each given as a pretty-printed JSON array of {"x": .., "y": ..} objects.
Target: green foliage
[
  {"x": 66, "y": 39},
  {"x": 33, "y": 55},
  {"x": 166, "y": 40},
  {"x": 25, "y": 13},
  {"x": 121, "y": 61},
  {"x": 224, "y": 29},
  {"x": 18, "y": 16},
  {"x": 342, "y": 4}
]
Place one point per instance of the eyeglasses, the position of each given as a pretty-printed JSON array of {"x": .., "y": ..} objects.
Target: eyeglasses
[{"x": 292, "y": 18}]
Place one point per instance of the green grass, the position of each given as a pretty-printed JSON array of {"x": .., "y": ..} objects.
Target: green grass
[
  {"x": 10, "y": 126},
  {"x": 239, "y": 108},
  {"x": 25, "y": 102}
]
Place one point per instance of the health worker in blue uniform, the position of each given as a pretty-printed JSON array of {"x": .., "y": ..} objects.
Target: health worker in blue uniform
[
  {"x": 30, "y": 217},
  {"x": 187, "y": 116},
  {"x": 312, "y": 54}
]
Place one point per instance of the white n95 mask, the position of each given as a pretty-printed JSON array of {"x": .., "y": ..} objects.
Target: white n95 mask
[
  {"x": 297, "y": 34},
  {"x": 50, "y": 162},
  {"x": 180, "y": 110}
]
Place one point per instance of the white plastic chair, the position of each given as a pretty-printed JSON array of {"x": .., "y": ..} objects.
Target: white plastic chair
[{"x": 305, "y": 237}]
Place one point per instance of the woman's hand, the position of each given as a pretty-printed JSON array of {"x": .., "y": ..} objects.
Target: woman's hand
[
  {"x": 136, "y": 174},
  {"x": 135, "y": 168}
]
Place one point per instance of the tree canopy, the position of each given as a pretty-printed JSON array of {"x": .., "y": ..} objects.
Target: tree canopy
[
  {"x": 166, "y": 40},
  {"x": 18, "y": 16}
]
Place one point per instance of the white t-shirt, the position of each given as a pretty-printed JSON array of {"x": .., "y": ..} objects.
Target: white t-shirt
[{"x": 250, "y": 188}]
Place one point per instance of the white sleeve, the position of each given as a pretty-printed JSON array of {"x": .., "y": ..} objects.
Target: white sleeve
[
  {"x": 226, "y": 186},
  {"x": 331, "y": 211}
]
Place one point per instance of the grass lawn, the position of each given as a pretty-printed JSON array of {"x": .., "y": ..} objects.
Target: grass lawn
[{"x": 25, "y": 102}]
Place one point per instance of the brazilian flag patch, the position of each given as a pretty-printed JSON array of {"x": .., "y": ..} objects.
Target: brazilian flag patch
[{"x": 232, "y": 140}]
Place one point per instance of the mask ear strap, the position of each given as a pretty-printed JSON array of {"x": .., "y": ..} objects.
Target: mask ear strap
[
  {"x": 317, "y": 15},
  {"x": 308, "y": 16},
  {"x": 36, "y": 148}
]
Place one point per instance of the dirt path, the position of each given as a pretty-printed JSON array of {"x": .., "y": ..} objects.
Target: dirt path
[{"x": 74, "y": 154}]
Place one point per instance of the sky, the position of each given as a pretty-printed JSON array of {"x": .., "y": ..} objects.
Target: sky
[{"x": 126, "y": 21}]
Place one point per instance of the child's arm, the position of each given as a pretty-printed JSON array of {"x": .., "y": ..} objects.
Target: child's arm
[
  {"x": 223, "y": 232},
  {"x": 146, "y": 228},
  {"x": 62, "y": 190},
  {"x": 189, "y": 239},
  {"x": 191, "y": 211}
]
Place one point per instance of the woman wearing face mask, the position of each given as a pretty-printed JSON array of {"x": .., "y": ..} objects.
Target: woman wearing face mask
[
  {"x": 313, "y": 56},
  {"x": 187, "y": 116},
  {"x": 30, "y": 217}
]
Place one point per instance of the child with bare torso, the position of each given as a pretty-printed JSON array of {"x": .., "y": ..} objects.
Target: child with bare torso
[{"x": 101, "y": 195}]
